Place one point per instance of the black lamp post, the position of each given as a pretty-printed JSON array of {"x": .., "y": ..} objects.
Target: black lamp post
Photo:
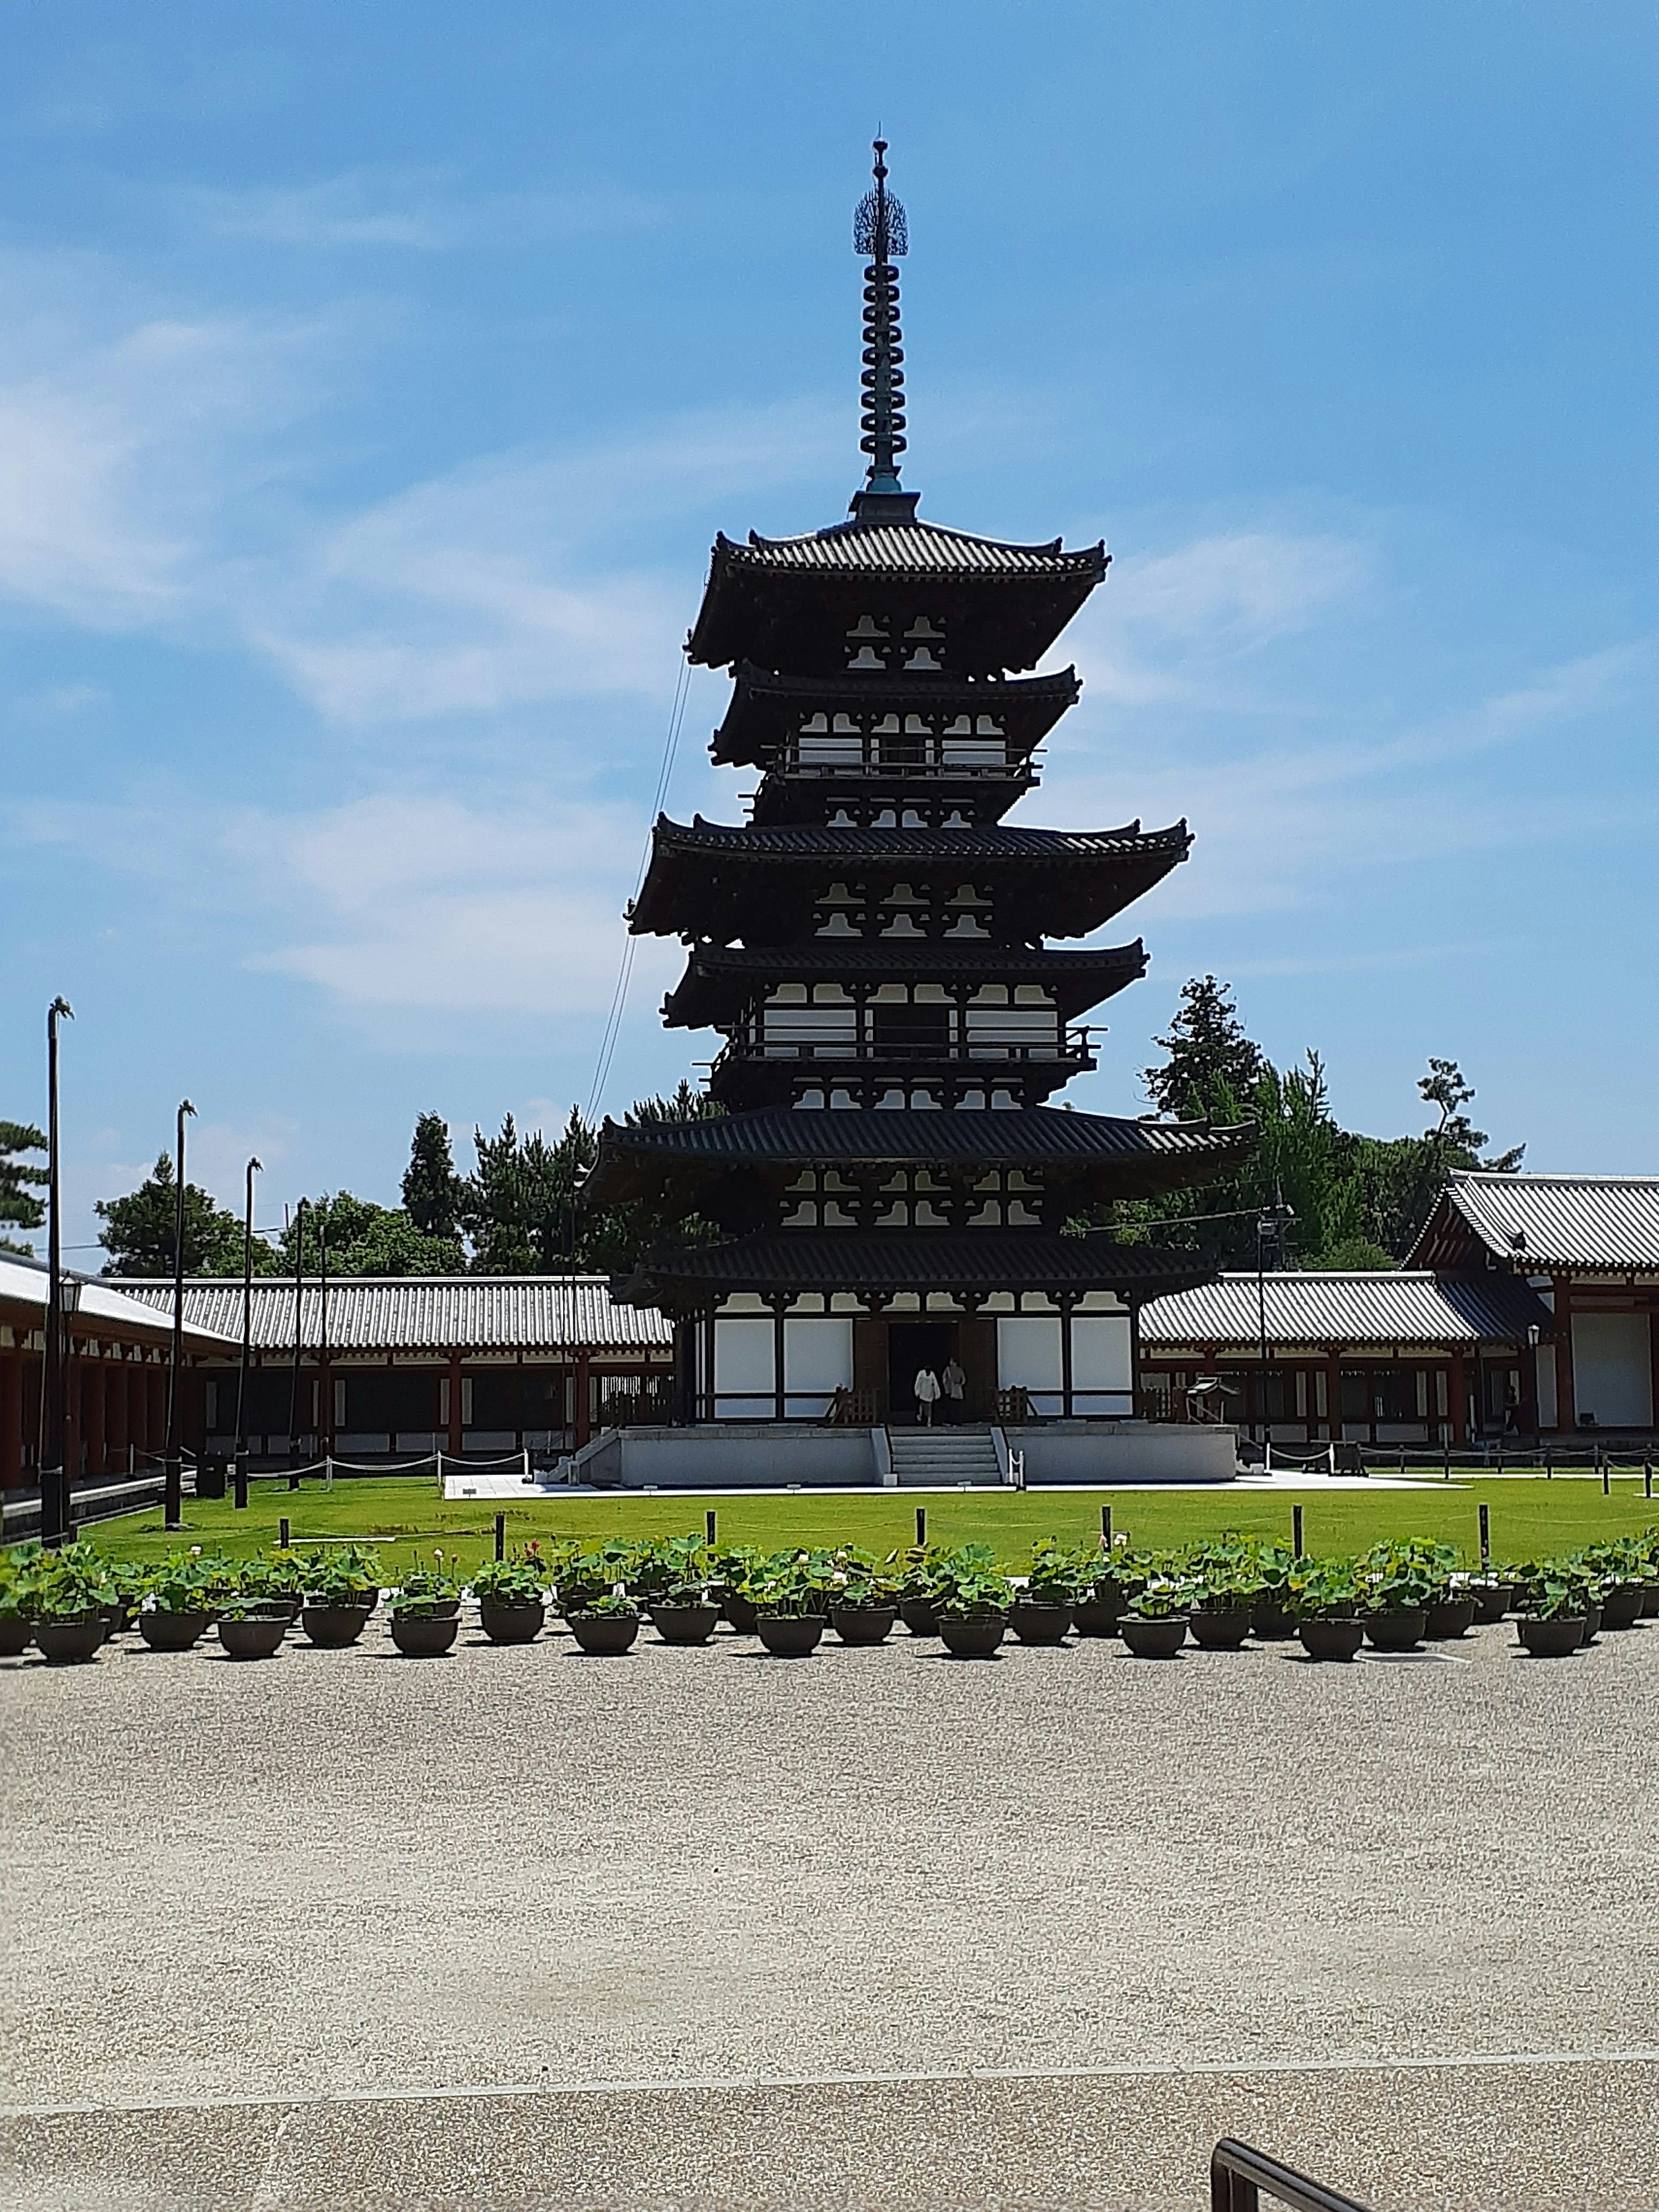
[
  {"x": 294, "y": 1453},
  {"x": 173, "y": 1512},
  {"x": 54, "y": 1476},
  {"x": 254, "y": 1167}
]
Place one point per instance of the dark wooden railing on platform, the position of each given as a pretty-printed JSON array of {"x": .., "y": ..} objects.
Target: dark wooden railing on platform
[{"x": 1240, "y": 2177}]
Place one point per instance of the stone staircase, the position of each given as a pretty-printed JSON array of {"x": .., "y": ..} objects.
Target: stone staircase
[{"x": 935, "y": 1459}]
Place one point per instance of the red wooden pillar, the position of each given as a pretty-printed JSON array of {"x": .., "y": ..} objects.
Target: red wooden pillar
[
  {"x": 136, "y": 1405},
  {"x": 1460, "y": 1398},
  {"x": 97, "y": 1412},
  {"x": 155, "y": 1421},
  {"x": 584, "y": 1419},
  {"x": 74, "y": 1386},
  {"x": 11, "y": 1421},
  {"x": 115, "y": 1414},
  {"x": 1567, "y": 1406},
  {"x": 1333, "y": 1391},
  {"x": 455, "y": 1437}
]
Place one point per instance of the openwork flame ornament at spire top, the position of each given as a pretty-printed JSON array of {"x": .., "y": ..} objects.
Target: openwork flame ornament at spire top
[{"x": 879, "y": 229}]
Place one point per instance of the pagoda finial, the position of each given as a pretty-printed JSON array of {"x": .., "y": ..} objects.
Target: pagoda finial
[{"x": 880, "y": 231}]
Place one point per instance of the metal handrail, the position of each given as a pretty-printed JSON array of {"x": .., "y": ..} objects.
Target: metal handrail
[{"x": 1239, "y": 2173}]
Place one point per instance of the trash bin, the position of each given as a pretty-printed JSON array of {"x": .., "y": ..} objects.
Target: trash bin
[{"x": 211, "y": 1478}]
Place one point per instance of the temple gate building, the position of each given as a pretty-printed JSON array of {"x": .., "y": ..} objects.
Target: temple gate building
[{"x": 892, "y": 1188}]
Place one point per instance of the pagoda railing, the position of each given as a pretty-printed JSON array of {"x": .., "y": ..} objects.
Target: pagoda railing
[{"x": 1072, "y": 1047}]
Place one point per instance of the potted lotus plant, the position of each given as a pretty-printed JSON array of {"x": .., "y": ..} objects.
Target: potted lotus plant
[
  {"x": 181, "y": 1605},
  {"x": 425, "y": 1610},
  {"x": 256, "y": 1613},
  {"x": 918, "y": 1570},
  {"x": 1223, "y": 1592},
  {"x": 1552, "y": 1616},
  {"x": 1154, "y": 1626},
  {"x": 1265, "y": 1569},
  {"x": 729, "y": 1569},
  {"x": 17, "y": 1571},
  {"x": 69, "y": 1601},
  {"x": 864, "y": 1598},
  {"x": 671, "y": 1578},
  {"x": 970, "y": 1601},
  {"x": 603, "y": 1617},
  {"x": 1330, "y": 1597},
  {"x": 1618, "y": 1567},
  {"x": 511, "y": 1596},
  {"x": 277, "y": 1579},
  {"x": 1106, "y": 1579},
  {"x": 791, "y": 1593},
  {"x": 1400, "y": 1583},
  {"x": 1041, "y": 1610},
  {"x": 342, "y": 1590}
]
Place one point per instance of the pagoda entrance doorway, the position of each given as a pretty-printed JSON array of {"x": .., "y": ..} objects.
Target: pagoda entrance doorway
[{"x": 912, "y": 1345}]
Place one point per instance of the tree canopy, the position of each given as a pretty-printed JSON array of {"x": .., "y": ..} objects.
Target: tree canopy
[
  {"x": 138, "y": 1229},
  {"x": 19, "y": 1207}
]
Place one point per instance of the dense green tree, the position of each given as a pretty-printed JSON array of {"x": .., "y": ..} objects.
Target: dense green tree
[
  {"x": 19, "y": 1207},
  {"x": 433, "y": 1192},
  {"x": 1207, "y": 1054},
  {"x": 364, "y": 1239},
  {"x": 138, "y": 1229}
]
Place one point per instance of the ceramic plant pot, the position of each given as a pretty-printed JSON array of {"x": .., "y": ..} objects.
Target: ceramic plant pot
[
  {"x": 1549, "y": 1639},
  {"x": 1449, "y": 1618},
  {"x": 1099, "y": 1613},
  {"x": 604, "y": 1635},
  {"x": 1331, "y": 1640},
  {"x": 973, "y": 1639},
  {"x": 1220, "y": 1628},
  {"x": 863, "y": 1623},
  {"x": 790, "y": 1636},
  {"x": 685, "y": 1624},
  {"x": 174, "y": 1632},
  {"x": 334, "y": 1626},
  {"x": 1491, "y": 1602},
  {"x": 1400, "y": 1631},
  {"x": 257, "y": 1635},
  {"x": 426, "y": 1635},
  {"x": 1622, "y": 1605},
  {"x": 1153, "y": 1639},
  {"x": 919, "y": 1616},
  {"x": 16, "y": 1635},
  {"x": 511, "y": 1624},
  {"x": 1271, "y": 1622},
  {"x": 1039, "y": 1624},
  {"x": 740, "y": 1612},
  {"x": 69, "y": 1641}
]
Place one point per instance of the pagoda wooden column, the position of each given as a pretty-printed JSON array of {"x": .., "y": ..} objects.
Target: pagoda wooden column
[
  {"x": 11, "y": 1421},
  {"x": 1460, "y": 1398},
  {"x": 1567, "y": 1404}
]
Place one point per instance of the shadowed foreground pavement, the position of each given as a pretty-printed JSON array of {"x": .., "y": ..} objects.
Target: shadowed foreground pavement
[{"x": 344, "y": 1929}]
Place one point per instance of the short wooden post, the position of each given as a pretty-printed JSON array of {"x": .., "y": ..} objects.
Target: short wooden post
[
  {"x": 709, "y": 1526},
  {"x": 500, "y": 1535},
  {"x": 1647, "y": 1477},
  {"x": 1296, "y": 1530},
  {"x": 1106, "y": 1526},
  {"x": 1485, "y": 1536},
  {"x": 238, "y": 1484},
  {"x": 1607, "y": 1475},
  {"x": 281, "y": 1533},
  {"x": 921, "y": 1524}
]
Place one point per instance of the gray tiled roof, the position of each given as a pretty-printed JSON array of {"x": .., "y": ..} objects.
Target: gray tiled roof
[
  {"x": 748, "y": 842},
  {"x": 925, "y": 549},
  {"x": 24, "y": 1282},
  {"x": 1597, "y": 1222},
  {"x": 425, "y": 1313},
  {"x": 1019, "y": 1133},
  {"x": 1323, "y": 1306},
  {"x": 999, "y": 1259}
]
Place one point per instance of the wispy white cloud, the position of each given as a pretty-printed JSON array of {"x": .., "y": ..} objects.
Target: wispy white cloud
[{"x": 420, "y": 210}]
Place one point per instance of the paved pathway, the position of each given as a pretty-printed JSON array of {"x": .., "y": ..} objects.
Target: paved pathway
[{"x": 517, "y": 1928}]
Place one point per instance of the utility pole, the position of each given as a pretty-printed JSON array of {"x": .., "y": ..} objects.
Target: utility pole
[{"x": 254, "y": 1167}]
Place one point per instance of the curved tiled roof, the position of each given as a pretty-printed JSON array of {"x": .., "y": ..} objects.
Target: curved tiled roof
[
  {"x": 1608, "y": 1224},
  {"x": 909, "y": 548},
  {"x": 787, "y": 1133},
  {"x": 911, "y": 1259},
  {"x": 719, "y": 977},
  {"x": 810, "y": 842},
  {"x": 1326, "y": 1306},
  {"x": 424, "y": 1313},
  {"x": 91, "y": 1300}
]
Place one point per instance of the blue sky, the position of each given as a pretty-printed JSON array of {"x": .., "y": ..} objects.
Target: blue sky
[{"x": 373, "y": 381}]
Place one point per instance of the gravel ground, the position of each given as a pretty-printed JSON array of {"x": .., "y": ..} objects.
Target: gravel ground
[{"x": 346, "y": 1874}]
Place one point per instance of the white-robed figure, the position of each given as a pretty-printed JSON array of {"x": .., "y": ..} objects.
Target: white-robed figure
[{"x": 926, "y": 1393}]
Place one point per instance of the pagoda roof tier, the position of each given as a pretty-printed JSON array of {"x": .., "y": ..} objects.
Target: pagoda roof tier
[
  {"x": 758, "y": 883},
  {"x": 789, "y": 602},
  {"x": 980, "y": 795},
  {"x": 720, "y": 980},
  {"x": 767, "y": 710},
  {"x": 1142, "y": 1158},
  {"x": 972, "y": 1264}
]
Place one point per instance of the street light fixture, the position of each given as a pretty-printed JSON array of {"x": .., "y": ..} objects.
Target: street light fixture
[
  {"x": 54, "y": 1474},
  {"x": 254, "y": 1167},
  {"x": 173, "y": 1510}
]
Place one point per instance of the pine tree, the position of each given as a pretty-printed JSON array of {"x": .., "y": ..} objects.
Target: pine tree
[
  {"x": 19, "y": 1207},
  {"x": 433, "y": 1192},
  {"x": 137, "y": 1230},
  {"x": 1208, "y": 1054}
]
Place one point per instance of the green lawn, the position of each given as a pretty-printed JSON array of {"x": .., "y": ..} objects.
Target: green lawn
[{"x": 1529, "y": 1518}]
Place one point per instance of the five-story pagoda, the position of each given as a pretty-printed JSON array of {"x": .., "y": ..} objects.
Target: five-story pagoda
[{"x": 893, "y": 1188}]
